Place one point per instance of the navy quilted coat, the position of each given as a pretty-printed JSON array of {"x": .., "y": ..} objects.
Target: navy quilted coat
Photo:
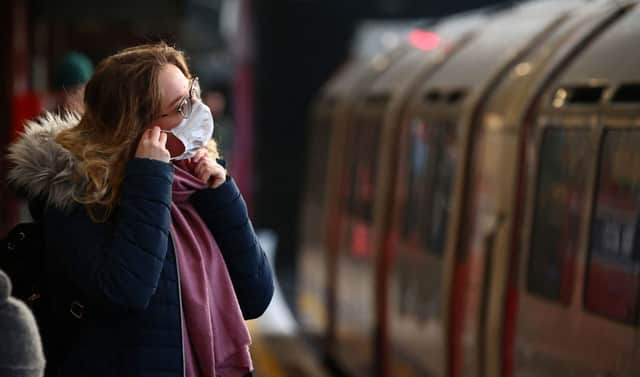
[{"x": 126, "y": 268}]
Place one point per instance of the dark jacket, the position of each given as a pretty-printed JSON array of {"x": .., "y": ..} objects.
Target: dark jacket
[{"x": 124, "y": 271}]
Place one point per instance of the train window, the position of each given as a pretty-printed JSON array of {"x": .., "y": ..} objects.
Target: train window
[
  {"x": 431, "y": 161},
  {"x": 586, "y": 94},
  {"x": 559, "y": 203},
  {"x": 360, "y": 183},
  {"x": 378, "y": 98},
  {"x": 415, "y": 161},
  {"x": 433, "y": 95},
  {"x": 363, "y": 170},
  {"x": 456, "y": 96},
  {"x": 627, "y": 93},
  {"x": 614, "y": 260},
  {"x": 579, "y": 95}
]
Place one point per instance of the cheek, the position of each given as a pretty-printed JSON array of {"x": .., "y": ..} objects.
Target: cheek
[{"x": 169, "y": 123}]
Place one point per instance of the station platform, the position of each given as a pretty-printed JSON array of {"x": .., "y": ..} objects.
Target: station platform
[{"x": 278, "y": 347}]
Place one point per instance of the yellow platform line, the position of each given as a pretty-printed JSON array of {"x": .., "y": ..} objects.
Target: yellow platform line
[
  {"x": 313, "y": 308},
  {"x": 264, "y": 361}
]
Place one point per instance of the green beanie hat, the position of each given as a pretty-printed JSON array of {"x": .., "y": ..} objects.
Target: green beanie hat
[{"x": 74, "y": 69}]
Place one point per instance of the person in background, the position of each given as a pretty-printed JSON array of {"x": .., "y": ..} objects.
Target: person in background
[
  {"x": 20, "y": 346},
  {"x": 70, "y": 77},
  {"x": 142, "y": 220}
]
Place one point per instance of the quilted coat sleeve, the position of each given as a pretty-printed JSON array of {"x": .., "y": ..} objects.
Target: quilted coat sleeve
[
  {"x": 224, "y": 211},
  {"x": 118, "y": 264}
]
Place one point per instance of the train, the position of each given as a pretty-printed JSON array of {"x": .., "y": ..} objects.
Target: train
[{"x": 472, "y": 198}]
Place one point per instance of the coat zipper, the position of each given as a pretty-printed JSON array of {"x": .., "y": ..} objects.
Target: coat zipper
[{"x": 175, "y": 253}]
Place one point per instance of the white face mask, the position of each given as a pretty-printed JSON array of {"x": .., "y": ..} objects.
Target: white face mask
[{"x": 195, "y": 131}]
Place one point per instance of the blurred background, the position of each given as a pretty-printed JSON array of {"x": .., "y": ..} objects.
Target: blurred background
[
  {"x": 445, "y": 188},
  {"x": 260, "y": 63}
]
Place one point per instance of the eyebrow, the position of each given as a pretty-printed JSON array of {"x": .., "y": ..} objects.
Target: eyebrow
[
  {"x": 178, "y": 99},
  {"x": 173, "y": 103}
]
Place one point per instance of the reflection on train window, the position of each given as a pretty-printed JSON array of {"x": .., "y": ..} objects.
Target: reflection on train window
[
  {"x": 415, "y": 161},
  {"x": 363, "y": 157},
  {"x": 430, "y": 161},
  {"x": 364, "y": 169},
  {"x": 559, "y": 203},
  {"x": 612, "y": 278}
]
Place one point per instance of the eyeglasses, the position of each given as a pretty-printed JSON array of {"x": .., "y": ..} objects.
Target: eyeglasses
[{"x": 186, "y": 104}]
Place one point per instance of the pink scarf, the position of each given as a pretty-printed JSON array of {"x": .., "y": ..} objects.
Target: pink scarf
[{"x": 215, "y": 337}]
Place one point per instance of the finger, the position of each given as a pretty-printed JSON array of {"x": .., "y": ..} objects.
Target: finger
[
  {"x": 201, "y": 171},
  {"x": 195, "y": 159},
  {"x": 198, "y": 169},
  {"x": 163, "y": 139},
  {"x": 205, "y": 176},
  {"x": 200, "y": 154},
  {"x": 146, "y": 134},
  {"x": 208, "y": 172},
  {"x": 155, "y": 133},
  {"x": 218, "y": 180},
  {"x": 218, "y": 176},
  {"x": 220, "y": 170}
]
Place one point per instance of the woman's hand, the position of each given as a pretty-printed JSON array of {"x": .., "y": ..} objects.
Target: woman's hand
[
  {"x": 207, "y": 169},
  {"x": 153, "y": 145}
]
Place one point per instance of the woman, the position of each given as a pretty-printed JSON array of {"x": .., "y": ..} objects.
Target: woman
[{"x": 134, "y": 207}]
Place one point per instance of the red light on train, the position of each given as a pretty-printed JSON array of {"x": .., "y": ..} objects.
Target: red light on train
[{"x": 424, "y": 40}]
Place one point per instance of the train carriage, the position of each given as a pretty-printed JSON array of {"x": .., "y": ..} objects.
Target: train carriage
[{"x": 481, "y": 203}]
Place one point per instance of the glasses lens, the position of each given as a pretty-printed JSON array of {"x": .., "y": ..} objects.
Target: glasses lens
[
  {"x": 187, "y": 104},
  {"x": 185, "y": 108}
]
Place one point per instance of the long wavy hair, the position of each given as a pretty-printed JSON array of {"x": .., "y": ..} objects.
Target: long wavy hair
[{"x": 121, "y": 100}]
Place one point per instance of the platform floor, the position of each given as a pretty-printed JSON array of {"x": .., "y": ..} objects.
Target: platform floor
[{"x": 278, "y": 347}]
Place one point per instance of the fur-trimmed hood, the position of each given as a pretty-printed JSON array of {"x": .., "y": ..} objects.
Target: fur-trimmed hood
[{"x": 41, "y": 168}]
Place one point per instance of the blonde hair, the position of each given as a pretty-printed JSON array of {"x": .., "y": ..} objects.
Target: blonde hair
[{"x": 121, "y": 100}]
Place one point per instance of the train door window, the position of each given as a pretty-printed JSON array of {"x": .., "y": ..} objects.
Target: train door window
[
  {"x": 414, "y": 163},
  {"x": 558, "y": 213},
  {"x": 440, "y": 175},
  {"x": 613, "y": 266},
  {"x": 365, "y": 169},
  {"x": 366, "y": 136},
  {"x": 431, "y": 160}
]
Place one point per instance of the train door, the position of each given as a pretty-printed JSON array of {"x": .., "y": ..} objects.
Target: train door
[
  {"x": 337, "y": 182},
  {"x": 356, "y": 309},
  {"x": 579, "y": 276},
  {"x": 313, "y": 260},
  {"x": 399, "y": 287},
  {"x": 328, "y": 121},
  {"x": 360, "y": 309},
  {"x": 416, "y": 245},
  {"x": 493, "y": 189}
]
